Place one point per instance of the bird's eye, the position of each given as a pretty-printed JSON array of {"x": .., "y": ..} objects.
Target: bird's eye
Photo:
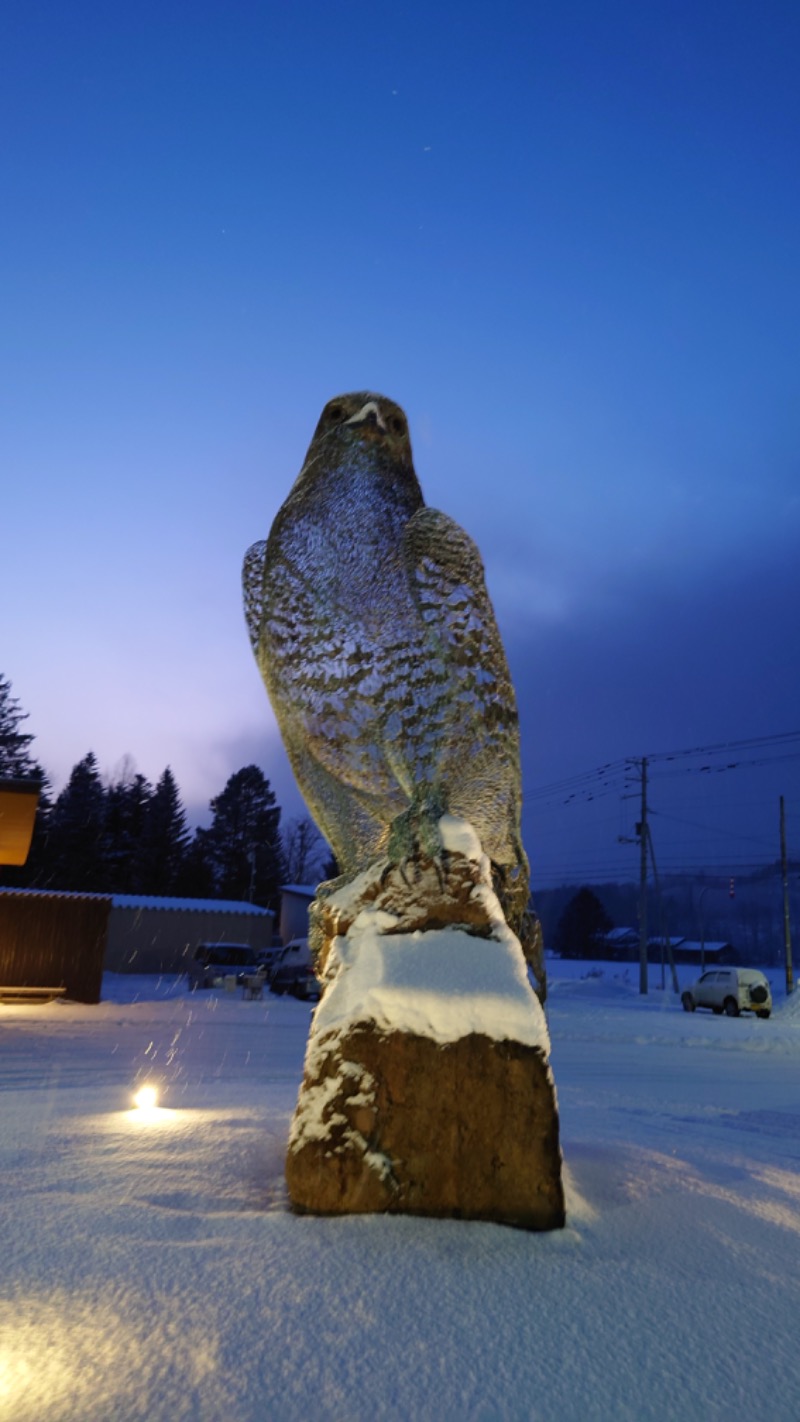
[
  {"x": 335, "y": 412},
  {"x": 396, "y": 424}
]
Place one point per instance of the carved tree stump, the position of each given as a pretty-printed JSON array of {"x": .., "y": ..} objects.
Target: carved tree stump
[{"x": 427, "y": 1088}]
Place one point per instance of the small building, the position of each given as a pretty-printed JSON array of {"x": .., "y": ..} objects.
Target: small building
[
  {"x": 618, "y": 945},
  {"x": 49, "y": 942},
  {"x": 18, "y": 801},
  {"x": 622, "y": 944},
  {"x": 296, "y": 900},
  {"x": 148, "y": 934},
  {"x": 685, "y": 950},
  {"x": 53, "y": 940}
]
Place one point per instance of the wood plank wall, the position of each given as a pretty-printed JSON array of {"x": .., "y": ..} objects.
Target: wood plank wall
[{"x": 51, "y": 940}]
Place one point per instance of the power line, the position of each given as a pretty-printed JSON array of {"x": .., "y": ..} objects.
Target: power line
[
  {"x": 615, "y": 768},
  {"x": 722, "y": 769},
  {"x": 712, "y": 829},
  {"x": 570, "y": 874},
  {"x": 751, "y": 743},
  {"x": 572, "y": 783}
]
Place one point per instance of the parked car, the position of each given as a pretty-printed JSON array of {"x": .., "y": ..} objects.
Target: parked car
[
  {"x": 212, "y": 961},
  {"x": 269, "y": 959},
  {"x": 730, "y": 990},
  {"x": 297, "y": 979}
]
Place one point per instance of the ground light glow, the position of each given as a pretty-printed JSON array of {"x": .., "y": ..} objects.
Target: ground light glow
[
  {"x": 146, "y": 1098},
  {"x": 63, "y": 1357}
]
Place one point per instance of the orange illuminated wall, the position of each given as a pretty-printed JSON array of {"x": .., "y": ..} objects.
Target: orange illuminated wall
[{"x": 18, "y": 801}]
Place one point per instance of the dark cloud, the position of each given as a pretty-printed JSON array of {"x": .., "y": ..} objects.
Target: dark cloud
[{"x": 705, "y": 658}]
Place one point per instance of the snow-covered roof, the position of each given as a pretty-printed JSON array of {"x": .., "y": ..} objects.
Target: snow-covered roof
[
  {"x": 145, "y": 901},
  {"x": 8, "y": 891},
  {"x": 154, "y": 901},
  {"x": 687, "y": 945}
]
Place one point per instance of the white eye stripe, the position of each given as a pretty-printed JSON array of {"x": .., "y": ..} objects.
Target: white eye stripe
[{"x": 371, "y": 408}]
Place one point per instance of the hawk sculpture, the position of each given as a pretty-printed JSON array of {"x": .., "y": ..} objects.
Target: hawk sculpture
[{"x": 373, "y": 630}]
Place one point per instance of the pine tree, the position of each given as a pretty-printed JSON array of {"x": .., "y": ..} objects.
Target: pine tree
[
  {"x": 164, "y": 839},
  {"x": 77, "y": 847},
  {"x": 195, "y": 879},
  {"x": 584, "y": 919},
  {"x": 16, "y": 762},
  {"x": 127, "y": 803},
  {"x": 243, "y": 843}
]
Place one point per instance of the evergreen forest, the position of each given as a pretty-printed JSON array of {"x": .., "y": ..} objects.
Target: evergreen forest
[{"x": 124, "y": 835}]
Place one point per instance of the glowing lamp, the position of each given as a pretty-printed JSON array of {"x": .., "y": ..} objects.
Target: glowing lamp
[{"x": 146, "y": 1098}]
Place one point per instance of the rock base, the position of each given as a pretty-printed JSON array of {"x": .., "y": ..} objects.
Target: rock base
[{"x": 395, "y": 1122}]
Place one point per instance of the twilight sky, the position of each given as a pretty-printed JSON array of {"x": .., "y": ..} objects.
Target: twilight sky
[{"x": 564, "y": 237}]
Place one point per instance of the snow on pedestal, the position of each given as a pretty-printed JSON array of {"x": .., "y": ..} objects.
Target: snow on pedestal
[{"x": 427, "y": 1088}]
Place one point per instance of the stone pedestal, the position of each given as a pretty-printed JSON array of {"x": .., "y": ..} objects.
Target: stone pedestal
[{"x": 427, "y": 1088}]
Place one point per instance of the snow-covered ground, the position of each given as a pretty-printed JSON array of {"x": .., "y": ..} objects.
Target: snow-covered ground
[{"x": 150, "y": 1267}]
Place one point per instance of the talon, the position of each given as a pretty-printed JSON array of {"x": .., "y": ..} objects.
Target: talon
[
  {"x": 438, "y": 862},
  {"x": 415, "y": 835},
  {"x": 400, "y": 866}
]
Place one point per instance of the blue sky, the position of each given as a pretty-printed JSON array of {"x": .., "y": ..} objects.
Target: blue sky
[{"x": 564, "y": 238}]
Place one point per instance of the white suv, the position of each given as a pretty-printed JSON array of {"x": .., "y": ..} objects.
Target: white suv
[{"x": 731, "y": 990}]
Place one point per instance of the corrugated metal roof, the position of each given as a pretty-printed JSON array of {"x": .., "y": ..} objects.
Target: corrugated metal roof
[
  {"x": 154, "y": 901},
  {"x": 688, "y": 945},
  {"x": 145, "y": 901}
]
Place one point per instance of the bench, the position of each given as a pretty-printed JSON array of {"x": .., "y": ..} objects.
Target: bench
[{"x": 30, "y": 994}]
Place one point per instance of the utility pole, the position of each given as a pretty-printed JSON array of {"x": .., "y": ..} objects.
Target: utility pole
[
  {"x": 787, "y": 929},
  {"x": 642, "y": 831},
  {"x": 703, "y": 891},
  {"x": 664, "y": 934}
]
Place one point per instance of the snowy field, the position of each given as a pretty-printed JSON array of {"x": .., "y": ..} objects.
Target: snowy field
[{"x": 151, "y": 1269}]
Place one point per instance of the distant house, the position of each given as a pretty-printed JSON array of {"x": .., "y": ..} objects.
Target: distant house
[
  {"x": 619, "y": 944},
  {"x": 296, "y": 900},
  {"x": 685, "y": 950},
  {"x": 622, "y": 945}
]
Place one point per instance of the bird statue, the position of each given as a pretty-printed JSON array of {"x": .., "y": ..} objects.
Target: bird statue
[{"x": 373, "y": 630}]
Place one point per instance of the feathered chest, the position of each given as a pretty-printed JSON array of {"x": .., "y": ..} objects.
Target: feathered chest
[{"x": 339, "y": 557}]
